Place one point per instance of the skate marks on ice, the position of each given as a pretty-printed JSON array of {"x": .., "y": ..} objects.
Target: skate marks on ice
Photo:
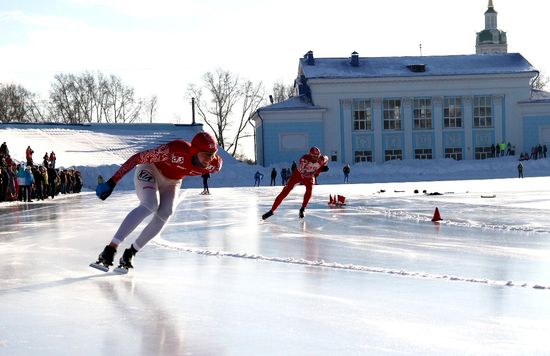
[{"x": 160, "y": 242}]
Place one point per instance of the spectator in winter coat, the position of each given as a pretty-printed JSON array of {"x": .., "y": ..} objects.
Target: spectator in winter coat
[
  {"x": 346, "y": 171},
  {"x": 520, "y": 170},
  {"x": 45, "y": 160},
  {"x": 28, "y": 155},
  {"x": 52, "y": 159},
  {"x": 273, "y": 176},
  {"x": 283, "y": 176}
]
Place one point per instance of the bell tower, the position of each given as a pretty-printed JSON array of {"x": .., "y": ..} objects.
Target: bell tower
[{"x": 491, "y": 39}]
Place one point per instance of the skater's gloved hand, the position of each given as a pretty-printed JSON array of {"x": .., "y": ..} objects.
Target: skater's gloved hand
[
  {"x": 103, "y": 190},
  {"x": 324, "y": 168}
]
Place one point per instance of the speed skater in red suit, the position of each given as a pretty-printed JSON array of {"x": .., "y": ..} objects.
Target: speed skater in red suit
[
  {"x": 310, "y": 166},
  {"x": 157, "y": 179}
]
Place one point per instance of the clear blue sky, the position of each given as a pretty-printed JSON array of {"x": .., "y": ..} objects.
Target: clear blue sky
[{"x": 161, "y": 46}]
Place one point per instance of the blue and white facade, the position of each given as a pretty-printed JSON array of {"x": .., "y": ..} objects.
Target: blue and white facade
[{"x": 420, "y": 107}]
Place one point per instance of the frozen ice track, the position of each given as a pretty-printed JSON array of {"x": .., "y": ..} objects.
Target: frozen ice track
[{"x": 334, "y": 265}]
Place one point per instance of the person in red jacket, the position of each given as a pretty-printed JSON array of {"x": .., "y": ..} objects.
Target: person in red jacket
[
  {"x": 311, "y": 165},
  {"x": 158, "y": 177}
]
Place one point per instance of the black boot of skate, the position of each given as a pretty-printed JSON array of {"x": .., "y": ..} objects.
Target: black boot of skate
[
  {"x": 267, "y": 215},
  {"x": 126, "y": 260},
  {"x": 105, "y": 259},
  {"x": 301, "y": 213}
]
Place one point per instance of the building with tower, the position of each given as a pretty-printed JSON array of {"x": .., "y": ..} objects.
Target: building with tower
[
  {"x": 491, "y": 39},
  {"x": 377, "y": 109}
]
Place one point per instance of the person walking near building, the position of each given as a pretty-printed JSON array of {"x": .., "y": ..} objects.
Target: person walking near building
[
  {"x": 158, "y": 177},
  {"x": 205, "y": 178},
  {"x": 346, "y": 171},
  {"x": 258, "y": 178},
  {"x": 273, "y": 176},
  {"x": 311, "y": 165},
  {"x": 520, "y": 170}
]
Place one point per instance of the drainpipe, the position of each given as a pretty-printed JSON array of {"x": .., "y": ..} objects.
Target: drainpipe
[{"x": 263, "y": 139}]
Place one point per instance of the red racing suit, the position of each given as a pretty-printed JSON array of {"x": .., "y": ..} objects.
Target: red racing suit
[
  {"x": 174, "y": 160},
  {"x": 306, "y": 172}
]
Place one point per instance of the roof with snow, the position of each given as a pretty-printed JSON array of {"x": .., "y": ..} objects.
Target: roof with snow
[
  {"x": 415, "y": 66},
  {"x": 294, "y": 103}
]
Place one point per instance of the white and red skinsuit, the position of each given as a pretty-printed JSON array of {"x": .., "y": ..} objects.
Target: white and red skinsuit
[{"x": 158, "y": 177}]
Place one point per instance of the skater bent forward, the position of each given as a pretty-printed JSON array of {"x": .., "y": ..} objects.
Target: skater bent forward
[
  {"x": 311, "y": 165},
  {"x": 158, "y": 176}
]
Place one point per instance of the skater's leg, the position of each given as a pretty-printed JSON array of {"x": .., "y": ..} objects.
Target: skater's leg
[
  {"x": 146, "y": 185},
  {"x": 168, "y": 193},
  {"x": 294, "y": 179},
  {"x": 307, "y": 194}
]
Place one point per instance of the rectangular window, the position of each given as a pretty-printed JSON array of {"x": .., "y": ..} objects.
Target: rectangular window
[
  {"x": 363, "y": 156},
  {"x": 452, "y": 112},
  {"x": 422, "y": 114},
  {"x": 483, "y": 152},
  {"x": 392, "y": 114},
  {"x": 483, "y": 111},
  {"x": 423, "y": 153},
  {"x": 454, "y": 152},
  {"x": 393, "y": 154},
  {"x": 362, "y": 115}
]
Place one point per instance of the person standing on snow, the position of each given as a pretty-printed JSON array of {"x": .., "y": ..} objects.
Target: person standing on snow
[
  {"x": 158, "y": 177},
  {"x": 311, "y": 165},
  {"x": 346, "y": 171}
]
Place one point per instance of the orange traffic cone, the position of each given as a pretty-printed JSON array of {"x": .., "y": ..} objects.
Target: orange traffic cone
[{"x": 436, "y": 217}]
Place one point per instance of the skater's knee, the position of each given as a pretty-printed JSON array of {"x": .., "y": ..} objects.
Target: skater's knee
[
  {"x": 165, "y": 212},
  {"x": 152, "y": 206}
]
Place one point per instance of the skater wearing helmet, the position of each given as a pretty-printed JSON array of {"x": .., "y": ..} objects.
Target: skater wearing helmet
[
  {"x": 310, "y": 166},
  {"x": 158, "y": 176}
]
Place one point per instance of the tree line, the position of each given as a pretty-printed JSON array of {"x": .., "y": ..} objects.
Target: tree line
[{"x": 224, "y": 102}]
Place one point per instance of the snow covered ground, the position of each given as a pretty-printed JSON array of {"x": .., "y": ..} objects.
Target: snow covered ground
[{"x": 376, "y": 277}]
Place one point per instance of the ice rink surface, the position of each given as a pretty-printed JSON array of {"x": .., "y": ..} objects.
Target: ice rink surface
[{"x": 376, "y": 277}]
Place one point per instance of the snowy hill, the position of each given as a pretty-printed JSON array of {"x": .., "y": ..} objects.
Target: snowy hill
[{"x": 100, "y": 149}]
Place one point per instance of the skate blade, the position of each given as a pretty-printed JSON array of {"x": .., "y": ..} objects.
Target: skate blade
[
  {"x": 121, "y": 270},
  {"x": 99, "y": 267}
]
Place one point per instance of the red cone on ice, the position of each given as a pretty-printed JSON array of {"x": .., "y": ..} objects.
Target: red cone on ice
[{"x": 436, "y": 217}]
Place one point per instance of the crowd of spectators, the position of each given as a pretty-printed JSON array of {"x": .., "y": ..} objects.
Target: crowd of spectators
[
  {"x": 27, "y": 181},
  {"x": 538, "y": 151}
]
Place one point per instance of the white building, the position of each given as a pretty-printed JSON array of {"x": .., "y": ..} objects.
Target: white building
[{"x": 420, "y": 107}]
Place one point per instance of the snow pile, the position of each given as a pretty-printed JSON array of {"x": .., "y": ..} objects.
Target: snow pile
[{"x": 101, "y": 153}]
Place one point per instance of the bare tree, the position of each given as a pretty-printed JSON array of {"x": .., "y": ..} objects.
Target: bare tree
[
  {"x": 540, "y": 81},
  {"x": 215, "y": 102},
  {"x": 282, "y": 92},
  {"x": 87, "y": 98},
  {"x": 224, "y": 93},
  {"x": 151, "y": 108},
  {"x": 14, "y": 103}
]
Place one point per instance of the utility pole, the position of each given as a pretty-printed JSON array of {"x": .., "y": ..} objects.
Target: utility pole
[{"x": 193, "y": 110}]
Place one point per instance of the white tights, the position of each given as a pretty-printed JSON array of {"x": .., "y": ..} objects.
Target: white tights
[{"x": 157, "y": 196}]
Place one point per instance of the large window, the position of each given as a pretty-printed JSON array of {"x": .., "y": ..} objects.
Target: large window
[
  {"x": 452, "y": 112},
  {"x": 362, "y": 115},
  {"x": 423, "y": 153},
  {"x": 422, "y": 113},
  {"x": 363, "y": 156},
  {"x": 454, "y": 152},
  {"x": 393, "y": 154},
  {"x": 483, "y": 111},
  {"x": 392, "y": 114},
  {"x": 483, "y": 152}
]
